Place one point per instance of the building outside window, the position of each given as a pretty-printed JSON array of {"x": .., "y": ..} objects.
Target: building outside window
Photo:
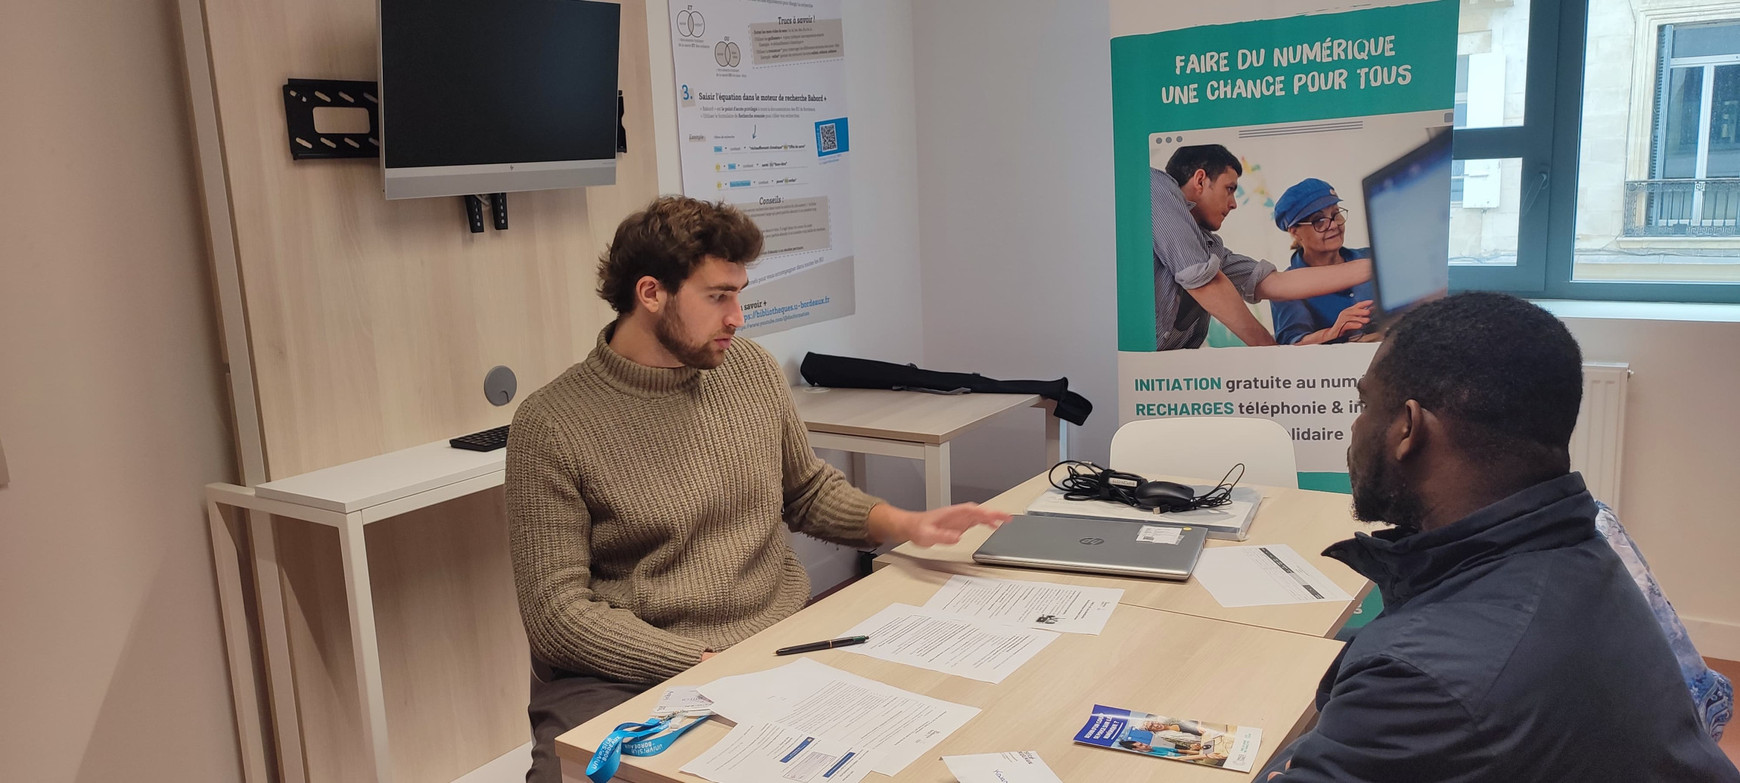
[
  {"x": 1694, "y": 184},
  {"x": 1657, "y": 149}
]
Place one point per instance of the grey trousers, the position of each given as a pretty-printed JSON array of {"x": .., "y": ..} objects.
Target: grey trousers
[{"x": 560, "y": 701}]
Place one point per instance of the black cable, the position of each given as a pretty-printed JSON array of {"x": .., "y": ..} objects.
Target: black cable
[
  {"x": 1222, "y": 492},
  {"x": 1087, "y": 481}
]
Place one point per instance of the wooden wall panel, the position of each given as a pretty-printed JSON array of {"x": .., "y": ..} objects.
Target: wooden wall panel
[
  {"x": 370, "y": 325},
  {"x": 453, "y": 651},
  {"x": 318, "y": 631},
  {"x": 372, "y": 322}
]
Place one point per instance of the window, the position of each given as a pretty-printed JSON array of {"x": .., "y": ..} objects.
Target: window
[
  {"x": 1694, "y": 187},
  {"x": 1503, "y": 124},
  {"x": 1609, "y": 165},
  {"x": 1460, "y": 114}
]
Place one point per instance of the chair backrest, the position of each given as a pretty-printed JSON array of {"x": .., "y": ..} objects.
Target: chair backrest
[
  {"x": 1206, "y": 447},
  {"x": 1711, "y": 692}
]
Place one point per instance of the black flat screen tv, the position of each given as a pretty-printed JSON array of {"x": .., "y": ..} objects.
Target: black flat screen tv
[{"x": 490, "y": 97}]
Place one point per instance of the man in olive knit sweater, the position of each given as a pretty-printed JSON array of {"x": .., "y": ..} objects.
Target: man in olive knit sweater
[{"x": 646, "y": 485}]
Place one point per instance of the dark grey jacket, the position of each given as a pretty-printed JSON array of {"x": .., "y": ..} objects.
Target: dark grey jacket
[{"x": 1513, "y": 646}]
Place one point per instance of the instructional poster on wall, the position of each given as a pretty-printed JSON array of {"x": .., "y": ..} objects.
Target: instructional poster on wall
[
  {"x": 761, "y": 111},
  {"x": 1242, "y": 132}
]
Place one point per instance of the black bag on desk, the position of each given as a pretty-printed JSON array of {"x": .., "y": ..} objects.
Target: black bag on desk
[{"x": 845, "y": 372}]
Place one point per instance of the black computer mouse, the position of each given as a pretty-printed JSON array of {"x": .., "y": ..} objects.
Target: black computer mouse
[{"x": 1164, "y": 495}]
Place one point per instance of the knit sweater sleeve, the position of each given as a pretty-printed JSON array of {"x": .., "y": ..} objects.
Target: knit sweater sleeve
[
  {"x": 550, "y": 534},
  {"x": 819, "y": 500}
]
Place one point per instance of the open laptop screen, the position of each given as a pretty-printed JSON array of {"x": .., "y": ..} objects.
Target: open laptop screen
[{"x": 1408, "y": 208}]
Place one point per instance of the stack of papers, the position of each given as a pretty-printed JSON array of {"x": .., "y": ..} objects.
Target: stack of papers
[
  {"x": 1230, "y": 522},
  {"x": 983, "y": 629},
  {"x": 948, "y": 643},
  {"x": 807, "y": 721},
  {"x": 1264, "y": 576},
  {"x": 759, "y": 752},
  {"x": 891, "y": 726},
  {"x": 1044, "y": 605}
]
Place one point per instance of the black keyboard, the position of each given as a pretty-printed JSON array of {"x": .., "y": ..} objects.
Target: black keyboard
[{"x": 487, "y": 440}]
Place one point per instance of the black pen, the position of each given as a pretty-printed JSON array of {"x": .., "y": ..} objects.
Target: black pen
[{"x": 846, "y": 641}]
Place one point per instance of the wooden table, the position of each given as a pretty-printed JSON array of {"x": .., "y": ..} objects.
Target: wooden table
[
  {"x": 910, "y": 424},
  {"x": 1145, "y": 659},
  {"x": 1305, "y": 520}
]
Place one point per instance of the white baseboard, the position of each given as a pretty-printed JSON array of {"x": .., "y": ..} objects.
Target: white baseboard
[
  {"x": 509, "y": 767},
  {"x": 1714, "y": 638}
]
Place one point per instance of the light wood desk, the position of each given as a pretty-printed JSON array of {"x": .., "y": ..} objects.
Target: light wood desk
[
  {"x": 1305, "y": 520},
  {"x": 1145, "y": 659},
  {"x": 914, "y": 425}
]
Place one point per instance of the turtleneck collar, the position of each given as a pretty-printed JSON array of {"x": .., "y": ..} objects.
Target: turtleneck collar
[
  {"x": 631, "y": 377},
  {"x": 1549, "y": 515}
]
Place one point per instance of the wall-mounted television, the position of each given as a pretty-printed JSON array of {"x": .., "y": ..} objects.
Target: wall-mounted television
[{"x": 498, "y": 96}]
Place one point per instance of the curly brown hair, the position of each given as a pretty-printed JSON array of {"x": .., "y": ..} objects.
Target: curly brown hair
[{"x": 667, "y": 240}]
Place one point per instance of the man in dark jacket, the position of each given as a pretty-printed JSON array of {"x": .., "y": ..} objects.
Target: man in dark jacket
[{"x": 1513, "y": 646}]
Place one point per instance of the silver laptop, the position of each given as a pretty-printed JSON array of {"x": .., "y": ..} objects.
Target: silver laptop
[{"x": 1095, "y": 546}]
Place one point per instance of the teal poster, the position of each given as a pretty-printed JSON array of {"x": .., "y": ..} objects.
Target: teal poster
[{"x": 1242, "y": 133}]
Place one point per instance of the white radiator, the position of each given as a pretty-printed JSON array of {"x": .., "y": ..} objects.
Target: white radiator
[{"x": 1599, "y": 441}]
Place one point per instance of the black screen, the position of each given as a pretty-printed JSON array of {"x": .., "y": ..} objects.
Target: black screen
[{"x": 467, "y": 82}]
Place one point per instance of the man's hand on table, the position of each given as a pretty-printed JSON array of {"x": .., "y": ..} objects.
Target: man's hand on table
[{"x": 890, "y": 525}]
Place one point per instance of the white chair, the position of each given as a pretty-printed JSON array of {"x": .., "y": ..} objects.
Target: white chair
[{"x": 1205, "y": 447}]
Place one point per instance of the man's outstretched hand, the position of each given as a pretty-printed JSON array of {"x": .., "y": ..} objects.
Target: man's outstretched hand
[{"x": 890, "y": 525}]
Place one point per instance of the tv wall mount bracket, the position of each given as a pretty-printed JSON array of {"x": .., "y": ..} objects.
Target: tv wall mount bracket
[{"x": 303, "y": 96}]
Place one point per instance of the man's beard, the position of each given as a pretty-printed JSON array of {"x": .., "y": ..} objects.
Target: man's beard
[
  {"x": 1381, "y": 494},
  {"x": 669, "y": 330}
]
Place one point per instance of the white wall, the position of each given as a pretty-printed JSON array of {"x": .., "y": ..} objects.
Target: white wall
[
  {"x": 1682, "y": 445},
  {"x": 1016, "y": 224},
  {"x": 111, "y": 408},
  {"x": 888, "y": 323}
]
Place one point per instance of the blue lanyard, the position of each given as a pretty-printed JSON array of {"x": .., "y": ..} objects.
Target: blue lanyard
[{"x": 635, "y": 739}]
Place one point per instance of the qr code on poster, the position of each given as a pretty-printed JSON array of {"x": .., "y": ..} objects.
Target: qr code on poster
[{"x": 830, "y": 139}]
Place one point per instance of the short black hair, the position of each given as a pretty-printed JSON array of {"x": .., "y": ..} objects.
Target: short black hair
[
  {"x": 1507, "y": 375},
  {"x": 1211, "y": 158}
]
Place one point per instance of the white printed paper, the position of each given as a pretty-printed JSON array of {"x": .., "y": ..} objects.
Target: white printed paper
[
  {"x": 948, "y": 643},
  {"x": 1264, "y": 576},
  {"x": 1043, "y": 605},
  {"x": 763, "y": 124},
  {"x": 685, "y": 700},
  {"x": 1160, "y": 534},
  {"x": 1018, "y": 767},
  {"x": 896, "y": 726},
  {"x": 761, "y": 752}
]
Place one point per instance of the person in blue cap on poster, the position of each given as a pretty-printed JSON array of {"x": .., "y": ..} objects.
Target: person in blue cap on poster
[
  {"x": 1196, "y": 276},
  {"x": 1312, "y": 212}
]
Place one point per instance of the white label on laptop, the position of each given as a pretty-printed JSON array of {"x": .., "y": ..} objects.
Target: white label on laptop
[{"x": 1161, "y": 534}]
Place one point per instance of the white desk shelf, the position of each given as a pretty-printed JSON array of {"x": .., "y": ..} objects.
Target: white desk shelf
[
  {"x": 347, "y": 497},
  {"x": 910, "y": 424}
]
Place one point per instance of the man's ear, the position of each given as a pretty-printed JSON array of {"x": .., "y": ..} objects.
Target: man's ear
[
  {"x": 1199, "y": 180},
  {"x": 651, "y": 294},
  {"x": 1411, "y": 430}
]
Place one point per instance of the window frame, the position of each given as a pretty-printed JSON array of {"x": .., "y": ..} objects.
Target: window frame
[{"x": 1549, "y": 143}]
